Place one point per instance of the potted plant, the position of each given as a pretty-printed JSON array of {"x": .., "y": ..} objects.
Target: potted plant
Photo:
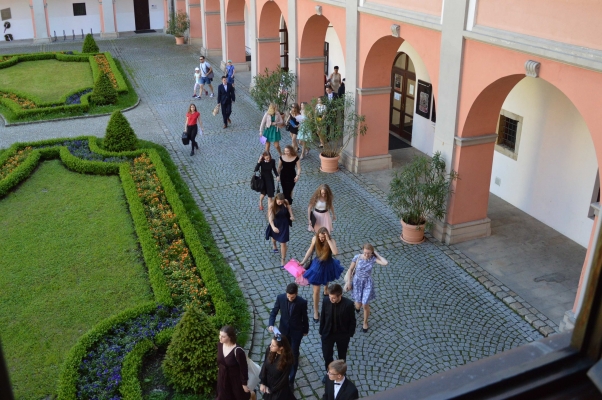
[
  {"x": 177, "y": 25},
  {"x": 273, "y": 87},
  {"x": 419, "y": 194},
  {"x": 333, "y": 123}
]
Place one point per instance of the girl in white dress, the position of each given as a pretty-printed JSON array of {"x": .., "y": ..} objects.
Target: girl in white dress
[{"x": 319, "y": 210}]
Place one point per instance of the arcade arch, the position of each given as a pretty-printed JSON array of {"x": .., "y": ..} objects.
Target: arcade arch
[
  {"x": 268, "y": 39},
  {"x": 236, "y": 29}
]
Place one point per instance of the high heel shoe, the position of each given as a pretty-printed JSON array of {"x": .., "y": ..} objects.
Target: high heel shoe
[{"x": 316, "y": 320}]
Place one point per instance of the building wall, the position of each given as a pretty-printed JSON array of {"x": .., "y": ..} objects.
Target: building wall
[
  {"x": 124, "y": 11},
  {"x": 336, "y": 56},
  {"x": 554, "y": 175},
  {"x": 21, "y": 24},
  {"x": 60, "y": 17},
  {"x": 156, "y": 15},
  {"x": 423, "y": 130},
  {"x": 425, "y": 6},
  {"x": 545, "y": 19}
]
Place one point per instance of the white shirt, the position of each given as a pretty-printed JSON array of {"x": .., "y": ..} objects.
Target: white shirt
[
  {"x": 338, "y": 387},
  {"x": 330, "y": 96}
]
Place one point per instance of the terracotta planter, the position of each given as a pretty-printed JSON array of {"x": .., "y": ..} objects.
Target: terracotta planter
[
  {"x": 179, "y": 39},
  {"x": 412, "y": 234},
  {"x": 329, "y": 164}
]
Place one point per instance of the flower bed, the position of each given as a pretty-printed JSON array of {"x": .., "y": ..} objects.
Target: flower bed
[
  {"x": 176, "y": 262},
  {"x": 104, "y": 66},
  {"x": 99, "y": 375},
  {"x": 24, "y": 103},
  {"x": 13, "y": 162},
  {"x": 187, "y": 260}
]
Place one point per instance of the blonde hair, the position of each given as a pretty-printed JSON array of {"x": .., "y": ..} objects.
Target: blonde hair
[{"x": 272, "y": 109}]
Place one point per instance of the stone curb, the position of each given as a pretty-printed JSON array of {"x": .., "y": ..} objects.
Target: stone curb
[
  {"x": 526, "y": 311},
  {"x": 7, "y": 124}
]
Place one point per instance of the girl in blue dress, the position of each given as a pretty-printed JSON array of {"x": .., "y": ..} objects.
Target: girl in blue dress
[
  {"x": 280, "y": 216},
  {"x": 324, "y": 267},
  {"x": 359, "y": 279}
]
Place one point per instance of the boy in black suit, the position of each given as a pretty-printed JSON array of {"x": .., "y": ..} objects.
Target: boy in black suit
[
  {"x": 225, "y": 97},
  {"x": 293, "y": 321},
  {"x": 339, "y": 387},
  {"x": 337, "y": 324}
]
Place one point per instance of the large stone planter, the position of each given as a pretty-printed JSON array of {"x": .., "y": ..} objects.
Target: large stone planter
[
  {"x": 179, "y": 39},
  {"x": 412, "y": 234},
  {"x": 329, "y": 164}
]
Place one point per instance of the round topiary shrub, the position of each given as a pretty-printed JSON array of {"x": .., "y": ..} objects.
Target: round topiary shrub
[
  {"x": 119, "y": 135},
  {"x": 90, "y": 45},
  {"x": 103, "y": 92},
  {"x": 189, "y": 363}
]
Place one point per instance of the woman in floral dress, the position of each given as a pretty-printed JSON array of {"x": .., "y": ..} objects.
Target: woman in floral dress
[{"x": 359, "y": 279}]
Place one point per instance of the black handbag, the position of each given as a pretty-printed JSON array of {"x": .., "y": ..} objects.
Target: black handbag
[
  {"x": 185, "y": 138},
  {"x": 278, "y": 188},
  {"x": 257, "y": 182},
  {"x": 312, "y": 219}
]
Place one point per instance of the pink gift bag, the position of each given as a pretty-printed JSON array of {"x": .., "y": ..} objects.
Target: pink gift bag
[
  {"x": 294, "y": 268},
  {"x": 263, "y": 139}
]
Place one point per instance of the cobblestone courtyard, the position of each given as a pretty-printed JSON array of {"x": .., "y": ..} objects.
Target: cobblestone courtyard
[{"x": 430, "y": 314}]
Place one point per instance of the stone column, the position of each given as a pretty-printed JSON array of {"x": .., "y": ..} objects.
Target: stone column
[
  {"x": 39, "y": 21},
  {"x": 222, "y": 26},
  {"x": 293, "y": 51},
  {"x": 253, "y": 45},
  {"x": 352, "y": 23},
  {"x": 108, "y": 17}
]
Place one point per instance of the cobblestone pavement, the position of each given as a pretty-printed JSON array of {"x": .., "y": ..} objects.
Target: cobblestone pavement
[{"x": 430, "y": 314}]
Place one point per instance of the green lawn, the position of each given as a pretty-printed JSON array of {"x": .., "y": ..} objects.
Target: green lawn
[
  {"x": 48, "y": 80},
  {"x": 68, "y": 259}
]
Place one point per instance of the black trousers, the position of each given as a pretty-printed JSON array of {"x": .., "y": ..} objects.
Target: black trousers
[
  {"x": 294, "y": 338},
  {"x": 226, "y": 111},
  {"x": 192, "y": 131},
  {"x": 328, "y": 342}
]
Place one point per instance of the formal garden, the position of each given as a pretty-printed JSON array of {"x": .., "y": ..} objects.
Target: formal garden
[
  {"x": 113, "y": 286},
  {"x": 42, "y": 86}
]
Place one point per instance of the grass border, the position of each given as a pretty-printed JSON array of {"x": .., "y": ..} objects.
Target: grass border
[{"x": 213, "y": 269}]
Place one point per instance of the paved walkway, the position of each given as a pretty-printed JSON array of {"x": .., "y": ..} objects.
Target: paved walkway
[{"x": 431, "y": 314}]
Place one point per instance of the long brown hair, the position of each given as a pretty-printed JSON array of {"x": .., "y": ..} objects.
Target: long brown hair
[
  {"x": 275, "y": 207},
  {"x": 286, "y": 357},
  {"x": 295, "y": 110},
  {"x": 317, "y": 194},
  {"x": 195, "y": 109},
  {"x": 323, "y": 250}
]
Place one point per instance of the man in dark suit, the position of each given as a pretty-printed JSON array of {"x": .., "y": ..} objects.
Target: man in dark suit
[
  {"x": 338, "y": 386},
  {"x": 337, "y": 324},
  {"x": 330, "y": 95},
  {"x": 225, "y": 97},
  {"x": 293, "y": 321}
]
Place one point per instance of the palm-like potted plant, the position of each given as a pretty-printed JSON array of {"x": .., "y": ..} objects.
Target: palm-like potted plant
[
  {"x": 273, "y": 87},
  {"x": 333, "y": 123},
  {"x": 419, "y": 194},
  {"x": 177, "y": 25}
]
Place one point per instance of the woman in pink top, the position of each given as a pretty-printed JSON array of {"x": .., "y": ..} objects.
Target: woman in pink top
[{"x": 194, "y": 126}]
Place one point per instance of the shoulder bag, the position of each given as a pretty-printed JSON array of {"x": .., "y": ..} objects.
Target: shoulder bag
[
  {"x": 257, "y": 182},
  {"x": 185, "y": 138},
  {"x": 253, "y": 371}
]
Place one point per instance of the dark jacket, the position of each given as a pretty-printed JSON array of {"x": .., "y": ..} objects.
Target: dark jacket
[
  {"x": 346, "y": 317},
  {"x": 325, "y": 100},
  {"x": 297, "y": 321},
  {"x": 348, "y": 391},
  {"x": 225, "y": 96}
]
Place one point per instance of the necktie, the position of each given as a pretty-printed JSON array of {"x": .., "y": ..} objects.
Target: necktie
[{"x": 337, "y": 383}]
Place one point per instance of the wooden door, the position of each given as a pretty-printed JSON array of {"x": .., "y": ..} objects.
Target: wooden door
[
  {"x": 403, "y": 82},
  {"x": 141, "y": 14}
]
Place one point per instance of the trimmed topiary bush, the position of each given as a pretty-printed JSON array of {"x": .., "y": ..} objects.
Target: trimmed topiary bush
[
  {"x": 90, "y": 45},
  {"x": 189, "y": 363},
  {"x": 104, "y": 92},
  {"x": 119, "y": 135}
]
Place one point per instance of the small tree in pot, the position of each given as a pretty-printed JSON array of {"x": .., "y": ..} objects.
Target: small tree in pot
[
  {"x": 273, "y": 87},
  {"x": 419, "y": 194},
  {"x": 333, "y": 123},
  {"x": 177, "y": 25}
]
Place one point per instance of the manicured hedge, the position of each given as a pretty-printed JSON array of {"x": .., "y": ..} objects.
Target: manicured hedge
[
  {"x": 67, "y": 387},
  {"x": 217, "y": 276},
  {"x": 60, "y": 106},
  {"x": 225, "y": 275},
  {"x": 147, "y": 243}
]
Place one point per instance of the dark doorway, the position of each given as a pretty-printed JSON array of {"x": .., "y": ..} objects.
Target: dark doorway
[
  {"x": 403, "y": 81},
  {"x": 141, "y": 15}
]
